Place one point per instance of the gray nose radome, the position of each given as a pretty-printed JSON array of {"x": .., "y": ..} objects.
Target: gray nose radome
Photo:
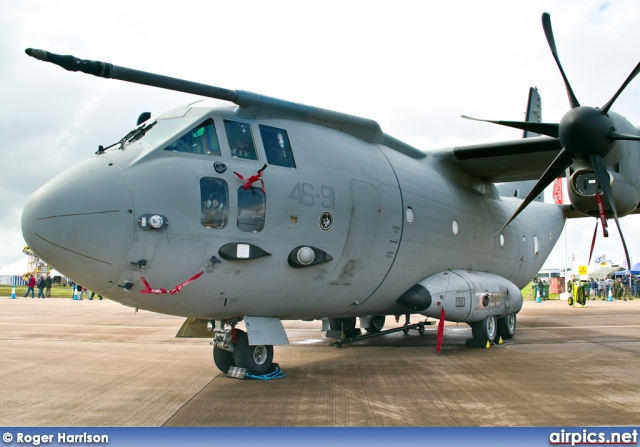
[{"x": 82, "y": 223}]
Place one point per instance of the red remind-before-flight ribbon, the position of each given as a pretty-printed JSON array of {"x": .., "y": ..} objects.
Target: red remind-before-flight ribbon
[
  {"x": 251, "y": 180},
  {"x": 176, "y": 289},
  {"x": 603, "y": 216},
  {"x": 440, "y": 335}
]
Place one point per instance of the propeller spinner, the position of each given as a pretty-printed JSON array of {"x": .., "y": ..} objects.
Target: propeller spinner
[{"x": 585, "y": 133}]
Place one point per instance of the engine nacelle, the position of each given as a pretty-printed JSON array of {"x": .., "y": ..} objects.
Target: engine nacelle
[
  {"x": 466, "y": 296},
  {"x": 623, "y": 165},
  {"x": 582, "y": 187}
]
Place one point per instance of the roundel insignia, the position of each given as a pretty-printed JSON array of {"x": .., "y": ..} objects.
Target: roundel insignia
[{"x": 326, "y": 221}]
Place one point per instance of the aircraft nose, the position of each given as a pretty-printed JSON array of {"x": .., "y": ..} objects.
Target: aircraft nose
[{"x": 82, "y": 223}]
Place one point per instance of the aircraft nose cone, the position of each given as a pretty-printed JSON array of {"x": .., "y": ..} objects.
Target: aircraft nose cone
[{"x": 82, "y": 223}]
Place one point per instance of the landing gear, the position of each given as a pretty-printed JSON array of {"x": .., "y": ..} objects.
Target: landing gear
[
  {"x": 346, "y": 325},
  {"x": 257, "y": 359},
  {"x": 376, "y": 324},
  {"x": 507, "y": 326},
  {"x": 223, "y": 359},
  {"x": 485, "y": 329}
]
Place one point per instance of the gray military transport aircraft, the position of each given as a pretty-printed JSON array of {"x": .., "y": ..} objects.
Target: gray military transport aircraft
[{"x": 269, "y": 210}]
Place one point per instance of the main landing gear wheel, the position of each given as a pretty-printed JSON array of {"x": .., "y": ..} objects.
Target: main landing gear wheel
[
  {"x": 257, "y": 359},
  {"x": 346, "y": 325},
  {"x": 485, "y": 329},
  {"x": 507, "y": 326},
  {"x": 376, "y": 324},
  {"x": 223, "y": 359}
]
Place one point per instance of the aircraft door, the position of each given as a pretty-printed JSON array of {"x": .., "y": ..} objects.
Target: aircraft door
[
  {"x": 368, "y": 252},
  {"x": 363, "y": 224}
]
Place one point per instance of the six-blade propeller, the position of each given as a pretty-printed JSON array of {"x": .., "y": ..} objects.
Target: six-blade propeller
[{"x": 585, "y": 133}]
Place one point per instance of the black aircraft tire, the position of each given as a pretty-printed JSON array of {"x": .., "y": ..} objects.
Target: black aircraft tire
[
  {"x": 507, "y": 326},
  {"x": 257, "y": 359},
  {"x": 335, "y": 324},
  {"x": 485, "y": 329},
  {"x": 348, "y": 324},
  {"x": 376, "y": 324},
  {"x": 223, "y": 359}
]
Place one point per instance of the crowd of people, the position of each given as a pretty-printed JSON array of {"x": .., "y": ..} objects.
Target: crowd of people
[
  {"x": 44, "y": 283},
  {"x": 624, "y": 287},
  {"x": 621, "y": 288}
]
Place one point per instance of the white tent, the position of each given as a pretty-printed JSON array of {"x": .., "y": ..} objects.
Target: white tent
[{"x": 12, "y": 274}]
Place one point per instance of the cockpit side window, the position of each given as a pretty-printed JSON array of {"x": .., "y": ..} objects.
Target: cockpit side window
[
  {"x": 252, "y": 205},
  {"x": 240, "y": 140},
  {"x": 277, "y": 146},
  {"x": 214, "y": 202},
  {"x": 199, "y": 140}
]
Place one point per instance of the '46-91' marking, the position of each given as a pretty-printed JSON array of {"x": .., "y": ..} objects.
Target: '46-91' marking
[{"x": 305, "y": 194}]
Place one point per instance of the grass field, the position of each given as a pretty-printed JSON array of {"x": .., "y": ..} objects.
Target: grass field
[
  {"x": 527, "y": 291},
  {"x": 56, "y": 291}
]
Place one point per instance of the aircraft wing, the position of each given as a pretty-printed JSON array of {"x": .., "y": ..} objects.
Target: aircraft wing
[{"x": 506, "y": 161}]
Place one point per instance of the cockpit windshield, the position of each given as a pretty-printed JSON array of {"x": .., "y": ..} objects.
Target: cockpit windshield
[{"x": 202, "y": 139}]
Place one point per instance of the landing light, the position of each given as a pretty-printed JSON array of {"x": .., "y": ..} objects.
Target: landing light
[
  {"x": 227, "y": 327},
  {"x": 306, "y": 255}
]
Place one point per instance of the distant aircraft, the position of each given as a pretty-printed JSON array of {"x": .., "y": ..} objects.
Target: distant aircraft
[{"x": 269, "y": 210}]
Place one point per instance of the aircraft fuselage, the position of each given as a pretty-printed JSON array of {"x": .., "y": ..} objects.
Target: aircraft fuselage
[{"x": 377, "y": 221}]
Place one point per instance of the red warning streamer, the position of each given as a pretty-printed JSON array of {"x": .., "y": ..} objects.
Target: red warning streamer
[
  {"x": 603, "y": 216},
  {"x": 176, "y": 289},
  {"x": 254, "y": 178},
  {"x": 440, "y": 331},
  {"x": 557, "y": 191}
]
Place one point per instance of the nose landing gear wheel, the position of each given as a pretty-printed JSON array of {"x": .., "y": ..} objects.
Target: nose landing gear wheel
[
  {"x": 257, "y": 359},
  {"x": 223, "y": 359}
]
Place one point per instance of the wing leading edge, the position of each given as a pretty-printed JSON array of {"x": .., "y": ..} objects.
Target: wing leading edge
[{"x": 506, "y": 161}]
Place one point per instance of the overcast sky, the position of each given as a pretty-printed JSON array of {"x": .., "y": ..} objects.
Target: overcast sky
[{"x": 414, "y": 67}]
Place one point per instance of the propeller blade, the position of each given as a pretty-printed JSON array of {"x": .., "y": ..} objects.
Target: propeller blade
[
  {"x": 562, "y": 162},
  {"x": 593, "y": 242},
  {"x": 624, "y": 244},
  {"x": 622, "y": 136},
  {"x": 548, "y": 129},
  {"x": 600, "y": 169},
  {"x": 548, "y": 32},
  {"x": 605, "y": 108}
]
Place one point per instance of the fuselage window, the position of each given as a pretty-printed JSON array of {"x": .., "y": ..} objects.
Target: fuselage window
[
  {"x": 536, "y": 247},
  {"x": 200, "y": 140},
  {"x": 240, "y": 140},
  {"x": 214, "y": 202},
  {"x": 252, "y": 205},
  {"x": 277, "y": 146}
]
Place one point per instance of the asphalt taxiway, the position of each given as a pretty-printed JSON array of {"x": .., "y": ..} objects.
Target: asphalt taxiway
[{"x": 97, "y": 363}]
